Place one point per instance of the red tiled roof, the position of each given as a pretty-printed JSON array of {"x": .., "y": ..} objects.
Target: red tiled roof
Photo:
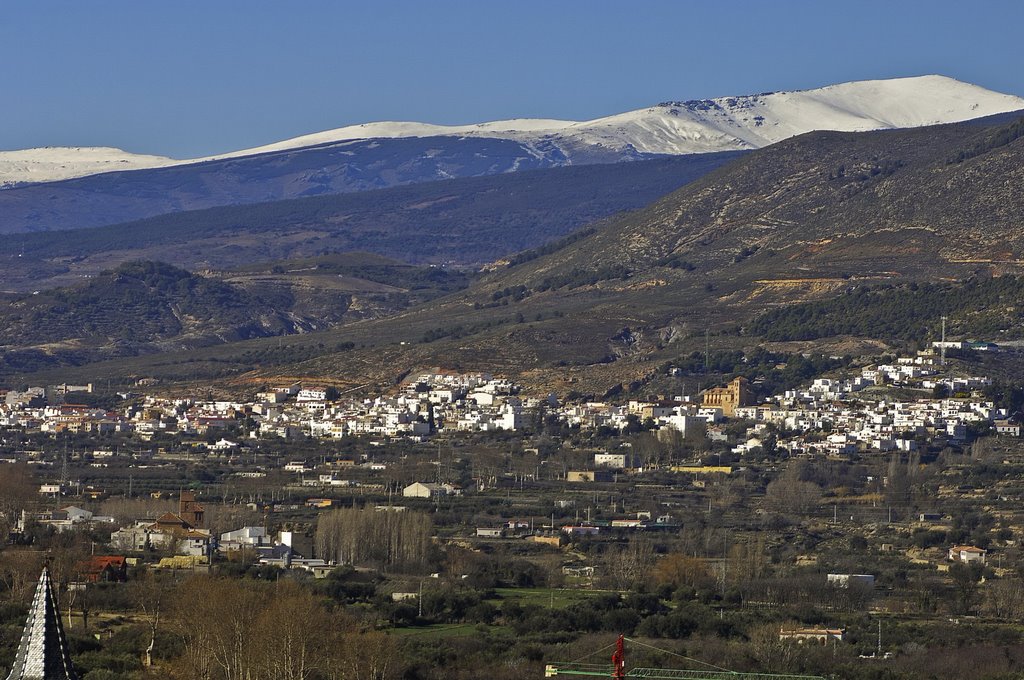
[{"x": 98, "y": 563}]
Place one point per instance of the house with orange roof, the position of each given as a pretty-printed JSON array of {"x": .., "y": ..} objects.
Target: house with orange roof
[{"x": 104, "y": 569}]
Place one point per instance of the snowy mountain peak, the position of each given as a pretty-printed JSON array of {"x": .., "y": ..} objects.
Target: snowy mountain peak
[
  {"x": 686, "y": 127},
  {"x": 52, "y": 163},
  {"x": 754, "y": 121},
  {"x": 724, "y": 123}
]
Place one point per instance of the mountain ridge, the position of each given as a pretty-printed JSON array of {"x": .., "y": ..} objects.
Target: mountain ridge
[
  {"x": 348, "y": 161},
  {"x": 142, "y": 307},
  {"x": 464, "y": 221},
  {"x": 729, "y": 123}
]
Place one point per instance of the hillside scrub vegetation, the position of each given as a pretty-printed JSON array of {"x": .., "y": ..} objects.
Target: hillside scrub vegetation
[{"x": 981, "y": 307}]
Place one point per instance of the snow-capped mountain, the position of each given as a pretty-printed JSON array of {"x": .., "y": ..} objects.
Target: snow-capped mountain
[
  {"x": 722, "y": 124},
  {"x": 701, "y": 126},
  {"x": 53, "y": 163}
]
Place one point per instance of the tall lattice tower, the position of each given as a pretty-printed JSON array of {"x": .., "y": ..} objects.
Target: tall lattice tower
[
  {"x": 942, "y": 355},
  {"x": 43, "y": 651}
]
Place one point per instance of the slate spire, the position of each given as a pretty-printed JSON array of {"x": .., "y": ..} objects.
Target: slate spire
[{"x": 43, "y": 651}]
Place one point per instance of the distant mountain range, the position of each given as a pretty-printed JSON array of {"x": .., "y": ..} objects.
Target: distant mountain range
[
  {"x": 820, "y": 215},
  {"x": 54, "y": 188},
  {"x": 722, "y": 124},
  {"x": 695, "y": 126}
]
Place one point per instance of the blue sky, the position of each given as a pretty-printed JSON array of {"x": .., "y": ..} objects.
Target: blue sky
[{"x": 188, "y": 78}]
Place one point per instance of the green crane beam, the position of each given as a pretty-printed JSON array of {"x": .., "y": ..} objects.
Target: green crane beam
[{"x": 602, "y": 671}]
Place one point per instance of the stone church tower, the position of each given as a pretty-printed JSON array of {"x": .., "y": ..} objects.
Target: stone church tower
[{"x": 736, "y": 393}]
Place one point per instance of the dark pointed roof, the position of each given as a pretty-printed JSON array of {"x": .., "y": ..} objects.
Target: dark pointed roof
[{"x": 43, "y": 651}]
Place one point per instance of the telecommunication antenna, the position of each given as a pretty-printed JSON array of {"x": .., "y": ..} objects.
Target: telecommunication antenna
[
  {"x": 439, "y": 480},
  {"x": 64, "y": 467},
  {"x": 707, "y": 350},
  {"x": 942, "y": 345}
]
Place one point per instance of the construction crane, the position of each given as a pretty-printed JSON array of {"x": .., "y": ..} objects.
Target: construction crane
[{"x": 617, "y": 670}]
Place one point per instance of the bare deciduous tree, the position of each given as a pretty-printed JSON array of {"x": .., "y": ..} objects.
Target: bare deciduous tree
[
  {"x": 17, "y": 493},
  {"x": 790, "y": 494},
  {"x": 363, "y": 656},
  {"x": 262, "y": 631},
  {"x": 774, "y": 654},
  {"x": 678, "y": 570},
  {"x": 1004, "y": 599},
  {"x": 19, "y": 571},
  {"x": 630, "y": 565},
  {"x": 152, "y": 593}
]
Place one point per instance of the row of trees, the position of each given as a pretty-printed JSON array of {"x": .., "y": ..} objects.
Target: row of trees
[{"x": 388, "y": 539}]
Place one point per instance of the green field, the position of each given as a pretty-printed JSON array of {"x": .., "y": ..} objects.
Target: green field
[
  {"x": 554, "y": 597},
  {"x": 440, "y": 630},
  {"x": 558, "y": 598}
]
